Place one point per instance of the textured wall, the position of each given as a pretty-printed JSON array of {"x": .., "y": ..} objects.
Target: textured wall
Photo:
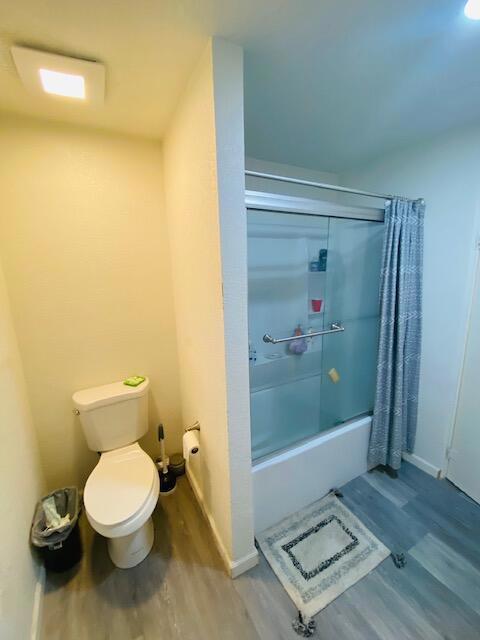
[
  {"x": 228, "y": 92},
  {"x": 21, "y": 485},
  {"x": 205, "y": 144},
  {"x": 84, "y": 243}
]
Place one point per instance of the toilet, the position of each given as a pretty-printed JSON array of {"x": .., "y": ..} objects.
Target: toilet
[{"x": 122, "y": 490}]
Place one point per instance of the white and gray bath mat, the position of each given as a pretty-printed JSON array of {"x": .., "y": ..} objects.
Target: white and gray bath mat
[{"x": 319, "y": 552}]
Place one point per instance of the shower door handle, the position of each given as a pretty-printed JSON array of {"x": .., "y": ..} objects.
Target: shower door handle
[{"x": 335, "y": 327}]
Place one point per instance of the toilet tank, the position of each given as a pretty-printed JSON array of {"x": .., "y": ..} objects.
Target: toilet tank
[{"x": 112, "y": 415}]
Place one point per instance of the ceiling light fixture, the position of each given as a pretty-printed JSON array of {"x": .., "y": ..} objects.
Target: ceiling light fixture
[
  {"x": 62, "y": 84},
  {"x": 61, "y": 77},
  {"x": 472, "y": 9}
]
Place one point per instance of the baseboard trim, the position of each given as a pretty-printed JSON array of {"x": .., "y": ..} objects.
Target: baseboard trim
[
  {"x": 37, "y": 611},
  {"x": 422, "y": 464},
  {"x": 237, "y": 567},
  {"x": 208, "y": 517},
  {"x": 234, "y": 568}
]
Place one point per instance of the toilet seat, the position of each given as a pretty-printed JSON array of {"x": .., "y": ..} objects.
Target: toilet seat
[{"x": 121, "y": 492}]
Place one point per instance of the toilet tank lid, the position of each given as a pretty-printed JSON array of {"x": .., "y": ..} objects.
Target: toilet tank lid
[{"x": 89, "y": 399}]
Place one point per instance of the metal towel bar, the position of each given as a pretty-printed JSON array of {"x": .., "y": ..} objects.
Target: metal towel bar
[{"x": 335, "y": 327}]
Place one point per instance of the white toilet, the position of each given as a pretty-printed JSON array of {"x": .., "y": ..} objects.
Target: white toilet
[{"x": 122, "y": 491}]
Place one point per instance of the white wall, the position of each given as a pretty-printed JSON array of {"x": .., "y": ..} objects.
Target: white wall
[
  {"x": 446, "y": 173},
  {"x": 86, "y": 258},
  {"x": 465, "y": 449},
  {"x": 21, "y": 485},
  {"x": 229, "y": 135},
  {"x": 204, "y": 183}
]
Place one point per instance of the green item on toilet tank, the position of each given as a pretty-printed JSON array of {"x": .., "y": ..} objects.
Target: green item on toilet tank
[{"x": 134, "y": 381}]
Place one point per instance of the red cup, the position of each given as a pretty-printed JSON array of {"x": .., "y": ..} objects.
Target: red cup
[{"x": 316, "y": 305}]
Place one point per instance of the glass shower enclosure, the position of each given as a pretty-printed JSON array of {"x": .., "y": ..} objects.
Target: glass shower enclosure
[{"x": 309, "y": 273}]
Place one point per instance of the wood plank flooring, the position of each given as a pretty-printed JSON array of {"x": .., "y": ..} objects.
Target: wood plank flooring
[{"x": 182, "y": 592}]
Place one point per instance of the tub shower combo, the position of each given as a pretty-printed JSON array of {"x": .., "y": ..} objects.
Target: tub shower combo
[{"x": 314, "y": 273}]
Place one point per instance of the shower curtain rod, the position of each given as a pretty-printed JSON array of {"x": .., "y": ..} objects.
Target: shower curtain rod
[{"x": 322, "y": 185}]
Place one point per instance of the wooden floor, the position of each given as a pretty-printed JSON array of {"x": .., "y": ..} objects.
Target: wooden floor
[{"x": 181, "y": 590}]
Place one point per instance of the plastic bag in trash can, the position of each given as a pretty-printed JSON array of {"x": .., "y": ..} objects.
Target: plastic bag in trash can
[{"x": 55, "y": 516}]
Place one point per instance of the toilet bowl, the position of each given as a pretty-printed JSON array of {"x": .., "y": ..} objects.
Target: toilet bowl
[
  {"x": 122, "y": 490},
  {"x": 120, "y": 496}
]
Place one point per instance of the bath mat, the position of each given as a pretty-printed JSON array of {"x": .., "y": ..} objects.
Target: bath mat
[{"x": 319, "y": 552}]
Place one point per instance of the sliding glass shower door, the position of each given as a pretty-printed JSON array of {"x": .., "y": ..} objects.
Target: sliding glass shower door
[{"x": 308, "y": 274}]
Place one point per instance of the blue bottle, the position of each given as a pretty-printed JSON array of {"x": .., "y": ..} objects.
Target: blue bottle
[{"x": 322, "y": 260}]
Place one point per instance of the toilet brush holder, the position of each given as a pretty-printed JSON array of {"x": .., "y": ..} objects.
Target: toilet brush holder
[{"x": 168, "y": 481}]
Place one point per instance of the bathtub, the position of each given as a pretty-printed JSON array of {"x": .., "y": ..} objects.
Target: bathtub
[{"x": 288, "y": 480}]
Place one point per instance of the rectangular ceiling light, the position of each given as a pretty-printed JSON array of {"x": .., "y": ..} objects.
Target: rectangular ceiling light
[
  {"x": 62, "y": 84},
  {"x": 61, "y": 77}
]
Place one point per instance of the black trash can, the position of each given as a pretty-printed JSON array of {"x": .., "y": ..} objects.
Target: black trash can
[{"x": 59, "y": 544}]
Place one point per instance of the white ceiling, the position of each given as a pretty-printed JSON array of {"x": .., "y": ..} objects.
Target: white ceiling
[
  {"x": 328, "y": 83},
  {"x": 353, "y": 79},
  {"x": 147, "y": 46}
]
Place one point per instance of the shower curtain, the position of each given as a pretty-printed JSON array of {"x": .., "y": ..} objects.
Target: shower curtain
[{"x": 396, "y": 396}]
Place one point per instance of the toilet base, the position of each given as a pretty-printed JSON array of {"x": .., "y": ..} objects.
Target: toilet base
[{"x": 128, "y": 551}]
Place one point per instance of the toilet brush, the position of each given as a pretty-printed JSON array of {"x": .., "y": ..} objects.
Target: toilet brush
[{"x": 167, "y": 479}]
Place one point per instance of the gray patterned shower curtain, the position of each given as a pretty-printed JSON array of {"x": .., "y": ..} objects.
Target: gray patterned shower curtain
[{"x": 396, "y": 396}]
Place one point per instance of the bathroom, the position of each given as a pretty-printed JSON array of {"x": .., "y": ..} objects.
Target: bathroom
[{"x": 132, "y": 242}]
